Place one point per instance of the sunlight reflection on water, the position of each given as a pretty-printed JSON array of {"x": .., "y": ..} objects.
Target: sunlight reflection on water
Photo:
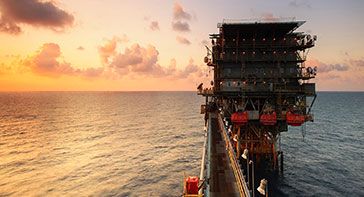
[{"x": 141, "y": 143}]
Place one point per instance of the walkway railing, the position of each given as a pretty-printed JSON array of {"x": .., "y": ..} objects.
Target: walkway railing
[{"x": 240, "y": 180}]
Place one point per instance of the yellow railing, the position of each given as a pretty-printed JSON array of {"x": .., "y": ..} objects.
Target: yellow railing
[
  {"x": 193, "y": 195},
  {"x": 241, "y": 183}
]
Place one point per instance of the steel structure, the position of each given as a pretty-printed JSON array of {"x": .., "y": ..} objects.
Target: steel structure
[{"x": 261, "y": 84}]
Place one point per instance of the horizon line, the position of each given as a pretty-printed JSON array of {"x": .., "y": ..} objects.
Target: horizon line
[{"x": 15, "y": 91}]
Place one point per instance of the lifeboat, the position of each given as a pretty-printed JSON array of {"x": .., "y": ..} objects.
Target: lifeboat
[
  {"x": 294, "y": 119},
  {"x": 268, "y": 118},
  {"x": 240, "y": 118},
  {"x": 191, "y": 185}
]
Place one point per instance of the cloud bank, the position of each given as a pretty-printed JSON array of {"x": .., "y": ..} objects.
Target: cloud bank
[
  {"x": 143, "y": 61},
  {"x": 32, "y": 12},
  {"x": 325, "y": 68},
  {"x": 47, "y": 61},
  {"x": 134, "y": 60}
]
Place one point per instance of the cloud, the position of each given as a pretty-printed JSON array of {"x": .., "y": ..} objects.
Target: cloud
[
  {"x": 183, "y": 40},
  {"x": 358, "y": 63},
  {"x": 154, "y": 26},
  {"x": 180, "y": 18},
  {"x": 91, "y": 72},
  {"x": 332, "y": 67},
  {"x": 143, "y": 61},
  {"x": 32, "y": 12},
  {"x": 269, "y": 17},
  {"x": 47, "y": 61},
  {"x": 137, "y": 59},
  {"x": 108, "y": 49},
  {"x": 325, "y": 68},
  {"x": 179, "y": 13},
  {"x": 180, "y": 26},
  {"x": 134, "y": 60},
  {"x": 299, "y": 3},
  {"x": 190, "y": 69},
  {"x": 4, "y": 68},
  {"x": 9, "y": 27}
]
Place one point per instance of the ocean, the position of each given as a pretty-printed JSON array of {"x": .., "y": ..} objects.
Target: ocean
[{"x": 142, "y": 144}]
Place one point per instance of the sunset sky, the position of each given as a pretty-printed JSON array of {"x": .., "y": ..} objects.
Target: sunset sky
[{"x": 135, "y": 45}]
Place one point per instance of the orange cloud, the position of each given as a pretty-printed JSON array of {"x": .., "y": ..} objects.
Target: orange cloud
[
  {"x": 269, "y": 17},
  {"x": 140, "y": 60},
  {"x": 135, "y": 60},
  {"x": 108, "y": 49},
  {"x": 47, "y": 62},
  {"x": 32, "y": 12},
  {"x": 179, "y": 13}
]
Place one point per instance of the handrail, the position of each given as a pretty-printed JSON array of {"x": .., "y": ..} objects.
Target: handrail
[
  {"x": 208, "y": 176},
  {"x": 241, "y": 183},
  {"x": 202, "y": 172}
]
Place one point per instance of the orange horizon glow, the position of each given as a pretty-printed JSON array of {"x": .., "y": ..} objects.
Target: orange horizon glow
[{"x": 107, "y": 46}]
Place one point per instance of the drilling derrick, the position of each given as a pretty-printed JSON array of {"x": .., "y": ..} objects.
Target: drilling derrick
[{"x": 261, "y": 84}]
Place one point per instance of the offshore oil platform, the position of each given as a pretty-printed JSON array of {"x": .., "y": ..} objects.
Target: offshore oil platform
[{"x": 261, "y": 86}]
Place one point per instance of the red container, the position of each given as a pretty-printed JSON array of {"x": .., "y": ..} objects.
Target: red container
[
  {"x": 192, "y": 184},
  {"x": 268, "y": 119},
  {"x": 294, "y": 119},
  {"x": 239, "y": 117}
]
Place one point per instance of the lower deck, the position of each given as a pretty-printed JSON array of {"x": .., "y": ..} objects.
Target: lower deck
[{"x": 222, "y": 180}]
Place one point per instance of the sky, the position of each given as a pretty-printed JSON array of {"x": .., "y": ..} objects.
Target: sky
[{"x": 142, "y": 45}]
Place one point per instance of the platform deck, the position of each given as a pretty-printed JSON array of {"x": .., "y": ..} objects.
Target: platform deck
[{"x": 222, "y": 180}]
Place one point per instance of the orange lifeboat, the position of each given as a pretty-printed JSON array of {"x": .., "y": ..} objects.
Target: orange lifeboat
[
  {"x": 294, "y": 119},
  {"x": 268, "y": 119},
  {"x": 240, "y": 118}
]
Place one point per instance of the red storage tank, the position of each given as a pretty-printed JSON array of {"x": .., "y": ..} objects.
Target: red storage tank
[
  {"x": 268, "y": 119},
  {"x": 239, "y": 117},
  {"x": 294, "y": 119},
  {"x": 192, "y": 185}
]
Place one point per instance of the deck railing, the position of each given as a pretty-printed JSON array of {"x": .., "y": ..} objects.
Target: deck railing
[{"x": 240, "y": 180}]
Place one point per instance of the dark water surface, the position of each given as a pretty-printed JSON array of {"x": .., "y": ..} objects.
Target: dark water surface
[{"x": 141, "y": 143}]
